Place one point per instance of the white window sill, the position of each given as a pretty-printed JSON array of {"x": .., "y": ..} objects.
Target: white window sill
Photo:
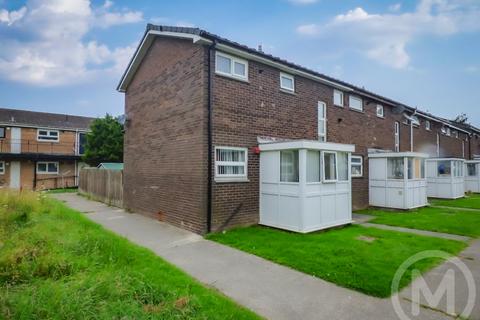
[
  {"x": 356, "y": 110},
  {"x": 338, "y": 105},
  {"x": 288, "y": 91},
  {"x": 231, "y": 179},
  {"x": 226, "y": 75}
]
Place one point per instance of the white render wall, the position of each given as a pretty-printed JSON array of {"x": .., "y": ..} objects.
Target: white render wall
[
  {"x": 444, "y": 187},
  {"x": 301, "y": 207}
]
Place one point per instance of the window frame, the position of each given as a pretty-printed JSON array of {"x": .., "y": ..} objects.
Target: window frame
[
  {"x": 324, "y": 177},
  {"x": 396, "y": 134},
  {"x": 233, "y": 60},
  {"x": 404, "y": 168},
  {"x": 324, "y": 120},
  {"x": 354, "y": 97},
  {"x": 342, "y": 98},
  {"x": 46, "y": 166},
  {"x": 356, "y": 164},
  {"x": 2, "y": 167},
  {"x": 428, "y": 125},
  {"x": 78, "y": 142},
  {"x": 4, "y": 132},
  {"x": 380, "y": 107},
  {"x": 231, "y": 177},
  {"x": 467, "y": 173},
  {"x": 39, "y": 137},
  {"x": 288, "y": 76}
]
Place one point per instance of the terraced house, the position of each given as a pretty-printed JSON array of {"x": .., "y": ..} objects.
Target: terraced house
[
  {"x": 40, "y": 150},
  {"x": 198, "y": 106}
]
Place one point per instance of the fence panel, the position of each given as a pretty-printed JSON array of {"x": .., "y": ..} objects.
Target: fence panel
[{"x": 102, "y": 185}]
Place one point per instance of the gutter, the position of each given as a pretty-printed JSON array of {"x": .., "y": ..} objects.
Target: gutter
[{"x": 209, "y": 138}]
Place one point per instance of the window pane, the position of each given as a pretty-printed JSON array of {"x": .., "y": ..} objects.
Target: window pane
[
  {"x": 52, "y": 167},
  {"x": 380, "y": 110},
  {"x": 54, "y": 133},
  {"x": 356, "y": 103},
  {"x": 423, "y": 168},
  {"x": 342, "y": 166},
  {"x": 229, "y": 155},
  {"x": 42, "y": 167},
  {"x": 313, "y": 166},
  {"x": 2, "y": 132},
  {"x": 223, "y": 64},
  {"x": 338, "y": 98},
  {"x": 395, "y": 168},
  {"x": 289, "y": 166},
  {"x": 287, "y": 83},
  {"x": 239, "y": 69},
  {"x": 410, "y": 168},
  {"x": 444, "y": 168},
  {"x": 329, "y": 163},
  {"x": 471, "y": 169},
  {"x": 231, "y": 170}
]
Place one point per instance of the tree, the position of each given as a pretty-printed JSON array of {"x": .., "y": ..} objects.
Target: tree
[{"x": 104, "y": 141}]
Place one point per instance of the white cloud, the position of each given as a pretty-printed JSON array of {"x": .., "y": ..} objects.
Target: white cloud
[
  {"x": 472, "y": 69},
  {"x": 302, "y": 2},
  {"x": 172, "y": 22},
  {"x": 47, "y": 47},
  {"x": 395, "y": 7},
  {"x": 385, "y": 37}
]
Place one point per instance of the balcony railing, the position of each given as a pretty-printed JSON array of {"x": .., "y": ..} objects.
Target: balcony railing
[{"x": 13, "y": 146}]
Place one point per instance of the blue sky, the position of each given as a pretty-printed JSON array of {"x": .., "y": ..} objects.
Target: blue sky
[{"x": 67, "y": 55}]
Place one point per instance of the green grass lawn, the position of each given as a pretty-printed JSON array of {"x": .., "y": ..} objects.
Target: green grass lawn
[
  {"x": 339, "y": 255},
  {"x": 63, "y": 190},
  {"x": 56, "y": 264},
  {"x": 471, "y": 200},
  {"x": 455, "y": 221}
]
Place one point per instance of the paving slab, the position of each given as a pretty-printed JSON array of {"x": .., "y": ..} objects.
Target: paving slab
[{"x": 271, "y": 290}]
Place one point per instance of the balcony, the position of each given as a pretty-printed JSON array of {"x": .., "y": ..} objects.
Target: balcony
[{"x": 33, "y": 149}]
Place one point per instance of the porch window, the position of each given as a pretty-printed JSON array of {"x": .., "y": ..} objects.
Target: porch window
[
  {"x": 2, "y": 167},
  {"x": 289, "y": 166},
  {"x": 230, "y": 164},
  {"x": 313, "y": 166},
  {"x": 458, "y": 168},
  {"x": 395, "y": 168},
  {"x": 444, "y": 168},
  {"x": 2, "y": 132},
  {"x": 471, "y": 169},
  {"x": 47, "y": 167},
  {"x": 342, "y": 163},
  {"x": 329, "y": 166}
]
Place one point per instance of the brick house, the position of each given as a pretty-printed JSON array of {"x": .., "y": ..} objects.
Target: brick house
[
  {"x": 40, "y": 150},
  {"x": 197, "y": 106}
]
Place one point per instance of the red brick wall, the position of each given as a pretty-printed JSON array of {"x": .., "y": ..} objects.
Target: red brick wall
[{"x": 165, "y": 139}]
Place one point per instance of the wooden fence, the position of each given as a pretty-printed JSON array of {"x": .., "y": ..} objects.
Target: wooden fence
[{"x": 102, "y": 185}]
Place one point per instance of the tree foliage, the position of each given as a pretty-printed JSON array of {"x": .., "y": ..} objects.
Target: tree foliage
[{"x": 104, "y": 141}]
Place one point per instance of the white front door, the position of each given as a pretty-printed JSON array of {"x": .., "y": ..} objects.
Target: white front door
[
  {"x": 16, "y": 140},
  {"x": 15, "y": 174}
]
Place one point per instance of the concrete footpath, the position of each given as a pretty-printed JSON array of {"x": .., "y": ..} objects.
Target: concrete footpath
[{"x": 270, "y": 290}]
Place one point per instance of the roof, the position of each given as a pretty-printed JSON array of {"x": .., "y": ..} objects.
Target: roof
[
  {"x": 111, "y": 165},
  {"x": 14, "y": 117},
  {"x": 204, "y": 37}
]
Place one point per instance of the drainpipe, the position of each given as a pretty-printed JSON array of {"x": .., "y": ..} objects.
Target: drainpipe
[
  {"x": 411, "y": 130},
  {"x": 209, "y": 138}
]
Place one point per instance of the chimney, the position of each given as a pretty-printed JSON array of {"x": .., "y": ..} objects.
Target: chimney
[{"x": 260, "y": 48}]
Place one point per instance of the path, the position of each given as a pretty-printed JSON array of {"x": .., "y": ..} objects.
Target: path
[{"x": 270, "y": 290}]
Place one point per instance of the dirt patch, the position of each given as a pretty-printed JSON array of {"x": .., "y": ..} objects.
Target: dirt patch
[{"x": 366, "y": 239}]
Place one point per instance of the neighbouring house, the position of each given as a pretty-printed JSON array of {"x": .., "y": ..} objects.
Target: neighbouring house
[
  {"x": 111, "y": 166},
  {"x": 199, "y": 107},
  {"x": 40, "y": 150}
]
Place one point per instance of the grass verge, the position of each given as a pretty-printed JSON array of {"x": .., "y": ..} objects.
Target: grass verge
[
  {"x": 62, "y": 190},
  {"x": 454, "y": 221},
  {"x": 471, "y": 200},
  {"x": 364, "y": 259},
  {"x": 56, "y": 264}
]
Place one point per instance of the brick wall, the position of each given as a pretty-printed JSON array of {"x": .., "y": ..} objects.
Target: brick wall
[{"x": 165, "y": 140}]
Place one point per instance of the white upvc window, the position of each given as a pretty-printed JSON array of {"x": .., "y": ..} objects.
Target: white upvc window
[
  {"x": 44, "y": 167},
  {"x": 2, "y": 167},
  {"x": 338, "y": 98},
  {"x": 231, "y": 66},
  {"x": 48, "y": 135},
  {"x": 448, "y": 131},
  {"x": 322, "y": 121},
  {"x": 356, "y": 103},
  {"x": 397, "y": 136},
  {"x": 2, "y": 132},
  {"x": 329, "y": 167},
  {"x": 428, "y": 126},
  {"x": 231, "y": 164},
  {"x": 289, "y": 166},
  {"x": 455, "y": 133},
  {"x": 380, "y": 111},
  {"x": 357, "y": 166},
  {"x": 287, "y": 82}
]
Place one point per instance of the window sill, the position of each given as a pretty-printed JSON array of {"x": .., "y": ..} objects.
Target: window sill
[
  {"x": 381, "y": 117},
  {"x": 232, "y": 77},
  {"x": 231, "y": 180},
  {"x": 357, "y": 177},
  {"x": 337, "y": 105},
  {"x": 288, "y": 92},
  {"x": 356, "y": 110}
]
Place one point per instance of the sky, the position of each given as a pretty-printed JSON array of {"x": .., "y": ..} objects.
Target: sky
[{"x": 67, "y": 56}]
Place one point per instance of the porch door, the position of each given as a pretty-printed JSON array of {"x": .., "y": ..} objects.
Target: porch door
[
  {"x": 16, "y": 140},
  {"x": 15, "y": 174}
]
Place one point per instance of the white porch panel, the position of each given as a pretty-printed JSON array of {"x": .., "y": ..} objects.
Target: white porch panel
[
  {"x": 447, "y": 186},
  {"x": 472, "y": 183}
]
